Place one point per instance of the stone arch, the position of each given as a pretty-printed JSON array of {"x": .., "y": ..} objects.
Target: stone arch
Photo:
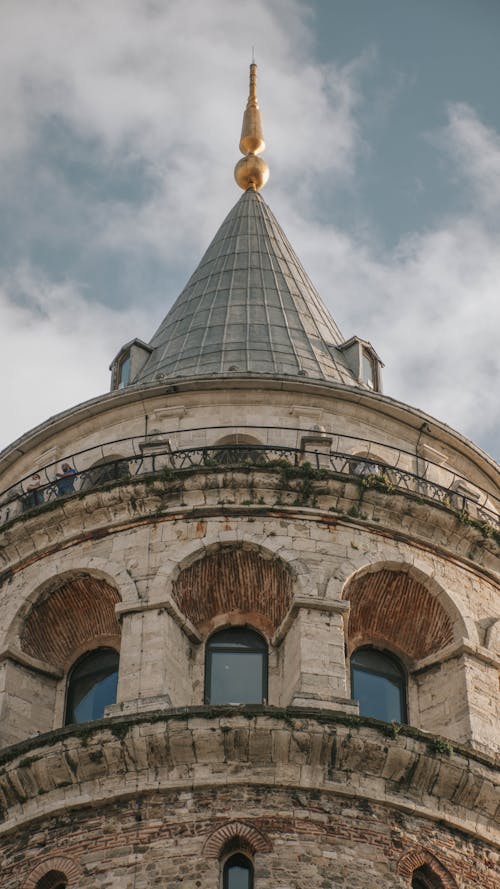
[
  {"x": 397, "y": 605},
  {"x": 236, "y": 834},
  {"x": 66, "y": 867},
  {"x": 358, "y": 464},
  {"x": 71, "y": 613},
  {"x": 238, "y": 438},
  {"x": 112, "y": 467},
  {"x": 237, "y": 579},
  {"x": 414, "y": 859}
]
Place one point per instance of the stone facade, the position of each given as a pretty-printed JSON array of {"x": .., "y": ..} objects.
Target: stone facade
[{"x": 319, "y": 559}]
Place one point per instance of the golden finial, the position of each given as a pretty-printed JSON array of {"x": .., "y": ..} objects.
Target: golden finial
[{"x": 252, "y": 171}]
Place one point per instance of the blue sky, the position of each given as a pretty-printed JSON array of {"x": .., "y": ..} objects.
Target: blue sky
[{"x": 120, "y": 132}]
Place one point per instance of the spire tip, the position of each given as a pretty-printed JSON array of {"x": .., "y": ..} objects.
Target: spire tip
[{"x": 252, "y": 171}]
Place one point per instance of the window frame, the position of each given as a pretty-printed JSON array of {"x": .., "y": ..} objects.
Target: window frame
[
  {"x": 373, "y": 382},
  {"x": 241, "y": 856},
  {"x": 125, "y": 359},
  {"x": 208, "y": 662},
  {"x": 391, "y": 657},
  {"x": 86, "y": 655}
]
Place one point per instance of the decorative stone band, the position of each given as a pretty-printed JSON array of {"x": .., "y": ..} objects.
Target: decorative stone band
[{"x": 395, "y": 766}]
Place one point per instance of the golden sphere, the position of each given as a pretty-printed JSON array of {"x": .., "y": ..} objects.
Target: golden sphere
[{"x": 251, "y": 172}]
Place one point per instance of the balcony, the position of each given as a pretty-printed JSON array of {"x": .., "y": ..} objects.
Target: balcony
[{"x": 291, "y": 451}]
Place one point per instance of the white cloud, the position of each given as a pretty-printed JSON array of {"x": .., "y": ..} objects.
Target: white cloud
[
  {"x": 165, "y": 84},
  {"x": 475, "y": 149},
  {"x": 431, "y": 308},
  {"x": 56, "y": 348}
]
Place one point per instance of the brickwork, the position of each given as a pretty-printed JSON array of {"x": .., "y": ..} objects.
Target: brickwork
[
  {"x": 79, "y": 611},
  {"x": 234, "y": 580},
  {"x": 318, "y": 798},
  {"x": 312, "y": 840},
  {"x": 391, "y": 607}
]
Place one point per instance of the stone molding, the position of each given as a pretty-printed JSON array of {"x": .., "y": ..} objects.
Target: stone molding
[
  {"x": 169, "y": 606},
  {"x": 426, "y": 526},
  {"x": 326, "y": 606},
  {"x": 404, "y": 769},
  {"x": 32, "y": 663},
  {"x": 458, "y": 649},
  {"x": 232, "y": 832}
]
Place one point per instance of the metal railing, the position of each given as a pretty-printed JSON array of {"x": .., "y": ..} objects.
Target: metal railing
[{"x": 373, "y": 464}]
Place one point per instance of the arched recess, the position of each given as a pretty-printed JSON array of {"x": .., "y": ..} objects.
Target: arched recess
[
  {"x": 391, "y": 606},
  {"x": 416, "y": 859},
  {"x": 110, "y": 468},
  {"x": 236, "y": 835},
  {"x": 237, "y": 448},
  {"x": 365, "y": 463},
  {"x": 49, "y": 868},
  {"x": 72, "y": 614},
  {"x": 231, "y": 581}
]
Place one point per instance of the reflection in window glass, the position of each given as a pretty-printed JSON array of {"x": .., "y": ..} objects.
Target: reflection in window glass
[
  {"x": 124, "y": 372},
  {"x": 238, "y": 873},
  {"x": 236, "y": 667},
  {"x": 368, "y": 369},
  {"x": 378, "y": 683},
  {"x": 92, "y": 686}
]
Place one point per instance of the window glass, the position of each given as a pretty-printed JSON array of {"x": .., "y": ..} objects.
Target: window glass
[
  {"x": 368, "y": 369},
  {"x": 92, "y": 686},
  {"x": 238, "y": 873},
  {"x": 378, "y": 683},
  {"x": 236, "y": 667},
  {"x": 124, "y": 372}
]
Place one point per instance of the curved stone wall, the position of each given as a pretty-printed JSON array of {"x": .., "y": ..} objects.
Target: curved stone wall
[{"x": 322, "y": 799}]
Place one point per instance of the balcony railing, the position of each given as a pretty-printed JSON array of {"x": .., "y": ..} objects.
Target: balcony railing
[{"x": 372, "y": 464}]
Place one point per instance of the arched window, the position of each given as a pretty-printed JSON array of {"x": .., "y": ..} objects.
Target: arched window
[
  {"x": 54, "y": 879},
  {"x": 378, "y": 683},
  {"x": 92, "y": 685},
  {"x": 423, "y": 878},
  {"x": 237, "y": 873},
  {"x": 239, "y": 448},
  {"x": 236, "y": 667}
]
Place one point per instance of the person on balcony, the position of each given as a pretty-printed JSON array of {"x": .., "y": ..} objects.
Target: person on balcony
[
  {"x": 65, "y": 483},
  {"x": 34, "y": 497}
]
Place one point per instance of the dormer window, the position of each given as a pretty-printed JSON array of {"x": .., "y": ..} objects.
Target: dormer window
[
  {"x": 126, "y": 365},
  {"x": 363, "y": 361},
  {"x": 123, "y": 371}
]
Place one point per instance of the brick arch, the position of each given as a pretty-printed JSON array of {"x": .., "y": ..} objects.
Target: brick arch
[
  {"x": 58, "y": 864},
  {"x": 236, "y": 834},
  {"x": 234, "y": 579},
  {"x": 391, "y": 606},
  {"x": 417, "y": 858},
  {"x": 72, "y": 613}
]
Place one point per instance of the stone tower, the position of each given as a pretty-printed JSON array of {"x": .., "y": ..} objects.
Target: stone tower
[{"x": 249, "y": 631}]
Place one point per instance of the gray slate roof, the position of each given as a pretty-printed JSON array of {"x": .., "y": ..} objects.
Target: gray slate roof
[{"x": 249, "y": 307}]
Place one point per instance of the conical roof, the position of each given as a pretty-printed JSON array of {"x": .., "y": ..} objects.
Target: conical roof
[{"x": 249, "y": 307}]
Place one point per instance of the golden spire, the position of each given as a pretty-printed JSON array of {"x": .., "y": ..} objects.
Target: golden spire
[{"x": 252, "y": 171}]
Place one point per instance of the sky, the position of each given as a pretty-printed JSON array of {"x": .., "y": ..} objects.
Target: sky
[{"x": 120, "y": 130}]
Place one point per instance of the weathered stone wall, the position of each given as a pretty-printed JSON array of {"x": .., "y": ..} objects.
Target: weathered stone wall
[
  {"x": 317, "y": 801},
  {"x": 280, "y": 408},
  {"x": 137, "y": 542}
]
